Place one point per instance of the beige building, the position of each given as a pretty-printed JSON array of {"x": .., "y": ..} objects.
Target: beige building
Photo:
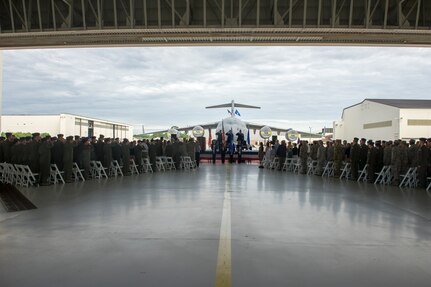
[
  {"x": 67, "y": 124},
  {"x": 385, "y": 119}
]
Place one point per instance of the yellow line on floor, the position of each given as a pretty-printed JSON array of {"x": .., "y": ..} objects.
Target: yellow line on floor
[{"x": 224, "y": 265}]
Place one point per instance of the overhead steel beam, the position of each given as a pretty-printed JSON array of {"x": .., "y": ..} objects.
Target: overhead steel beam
[
  {"x": 205, "y": 12},
  {"x": 319, "y": 12},
  {"x": 84, "y": 21},
  {"x": 114, "y": 3},
  {"x": 290, "y": 12},
  {"x": 12, "y": 20},
  {"x": 333, "y": 12},
  {"x": 145, "y": 13},
  {"x": 304, "y": 19},
  {"x": 239, "y": 13},
  {"x": 173, "y": 13},
  {"x": 367, "y": 13},
  {"x": 99, "y": 14},
  {"x": 385, "y": 20},
  {"x": 258, "y": 13},
  {"x": 159, "y": 14},
  {"x": 132, "y": 14},
  {"x": 410, "y": 12},
  {"x": 54, "y": 22},
  {"x": 275, "y": 11},
  {"x": 418, "y": 13},
  {"x": 25, "y": 15},
  {"x": 39, "y": 14},
  {"x": 222, "y": 13},
  {"x": 351, "y": 14}
]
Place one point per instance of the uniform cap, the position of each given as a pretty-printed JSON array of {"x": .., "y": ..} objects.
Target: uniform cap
[
  {"x": 69, "y": 138},
  {"x": 8, "y": 134},
  {"x": 35, "y": 134},
  {"x": 60, "y": 135},
  {"x": 423, "y": 139},
  {"x": 77, "y": 137},
  {"x": 363, "y": 139}
]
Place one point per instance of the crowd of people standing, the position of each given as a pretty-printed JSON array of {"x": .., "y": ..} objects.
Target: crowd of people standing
[
  {"x": 399, "y": 155},
  {"x": 39, "y": 153}
]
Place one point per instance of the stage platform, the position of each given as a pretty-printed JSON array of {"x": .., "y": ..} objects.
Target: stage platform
[{"x": 219, "y": 225}]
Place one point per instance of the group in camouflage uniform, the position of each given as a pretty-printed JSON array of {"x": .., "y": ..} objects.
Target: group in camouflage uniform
[
  {"x": 39, "y": 153},
  {"x": 398, "y": 155}
]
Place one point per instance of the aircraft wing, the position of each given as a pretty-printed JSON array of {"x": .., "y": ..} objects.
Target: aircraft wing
[{"x": 188, "y": 128}]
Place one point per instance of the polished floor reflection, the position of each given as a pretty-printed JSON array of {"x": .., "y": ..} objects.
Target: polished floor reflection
[{"x": 164, "y": 229}]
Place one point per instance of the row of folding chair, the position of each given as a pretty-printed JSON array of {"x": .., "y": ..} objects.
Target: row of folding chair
[
  {"x": 186, "y": 163},
  {"x": 384, "y": 176},
  {"x": 164, "y": 163},
  {"x": 410, "y": 178},
  {"x": 17, "y": 174}
]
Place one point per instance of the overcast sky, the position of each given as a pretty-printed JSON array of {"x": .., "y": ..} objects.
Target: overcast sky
[{"x": 297, "y": 87}]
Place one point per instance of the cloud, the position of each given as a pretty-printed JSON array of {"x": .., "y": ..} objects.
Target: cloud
[{"x": 296, "y": 86}]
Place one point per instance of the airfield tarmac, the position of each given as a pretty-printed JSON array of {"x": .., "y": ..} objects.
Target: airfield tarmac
[{"x": 222, "y": 225}]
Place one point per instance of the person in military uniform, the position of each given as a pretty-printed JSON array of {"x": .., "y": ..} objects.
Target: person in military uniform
[
  {"x": 230, "y": 145},
  {"x": 240, "y": 142},
  {"x": 379, "y": 154},
  {"x": 363, "y": 154},
  {"x": 125, "y": 154},
  {"x": 396, "y": 162},
  {"x": 45, "y": 160},
  {"x": 371, "y": 161},
  {"x": 321, "y": 158},
  {"x": 7, "y": 146},
  {"x": 86, "y": 150},
  {"x": 2, "y": 139},
  {"x": 404, "y": 156},
  {"x": 106, "y": 153},
  {"x": 214, "y": 151},
  {"x": 138, "y": 154},
  {"x": 68, "y": 148},
  {"x": 98, "y": 147},
  {"x": 190, "y": 146},
  {"x": 329, "y": 151},
  {"x": 77, "y": 151},
  {"x": 313, "y": 150},
  {"x": 412, "y": 154},
  {"x": 423, "y": 154},
  {"x": 116, "y": 150},
  {"x": 281, "y": 154},
  {"x": 355, "y": 154},
  {"x": 338, "y": 157},
  {"x": 197, "y": 153},
  {"x": 303, "y": 155},
  {"x": 57, "y": 151},
  {"x": 387, "y": 154}
]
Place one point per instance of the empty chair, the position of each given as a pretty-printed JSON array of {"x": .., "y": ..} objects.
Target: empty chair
[
  {"x": 159, "y": 164},
  {"x": 346, "y": 171},
  {"x": 312, "y": 167},
  {"x": 363, "y": 175},
  {"x": 133, "y": 167},
  {"x": 97, "y": 170},
  {"x": 170, "y": 164},
  {"x": 329, "y": 169},
  {"x": 146, "y": 165},
  {"x": 77, "y": 172},
  {"x": 409, "y": 179},
  {"x": 115, "y": 169},
  {"x": 55, "y": 175}
]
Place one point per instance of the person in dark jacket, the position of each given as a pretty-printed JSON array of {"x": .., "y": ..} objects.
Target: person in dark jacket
[
  {"x": 45, "y": 160},
  {"x": 107, "y": 153},
  {"x": 68, "y": 148},
  {"x": 281, "y": 154},
  {"x": 125, "y": 154},
  {"x": 86, "y": 151}
]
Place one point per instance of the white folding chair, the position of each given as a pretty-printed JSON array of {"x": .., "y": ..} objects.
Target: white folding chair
[
  {"x": 186, "y": 163},
  {"x": 55, "y": 175},
  {"x": 159, "y": 164},
  {"x": 409, "y": 179},
  {"x": 363, "y": 174},
  {"x": 346, "y": 171},
  {"x": 312, "y": 167},
  {"x": 77, "y": 172},
  {"x": 146, "y": 165},
  {"x": 170, "y": 164},
  {"x": 2, "y": 172},
  {"x": 133, "y": 167},
  {"x": 97, "y": 170},
  {"x": 115, "y": 169},
  {"x": 275, "y": 163},
  {"x": 329, "y": 169},
  {"x": 429, "y": 185}
]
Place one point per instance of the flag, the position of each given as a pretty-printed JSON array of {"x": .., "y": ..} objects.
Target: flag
[
  {"x": 248, "y": 137},
  {"x": 209, "y": 139},
  {"x": 237, "y": 113},
  {"x": 223, "y": 139},
  {"x": 229, "y": 112}
]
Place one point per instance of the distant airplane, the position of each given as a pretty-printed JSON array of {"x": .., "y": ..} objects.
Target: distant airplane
[{"x": 233, "y": 123}]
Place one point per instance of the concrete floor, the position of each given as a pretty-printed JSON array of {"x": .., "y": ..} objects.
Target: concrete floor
[{"x": 163, "y": 229}]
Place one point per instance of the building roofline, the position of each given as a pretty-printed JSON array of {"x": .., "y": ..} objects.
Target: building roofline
[
  {"x": 378, "y": 101},
  {"x": 74, "y": 115}
]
